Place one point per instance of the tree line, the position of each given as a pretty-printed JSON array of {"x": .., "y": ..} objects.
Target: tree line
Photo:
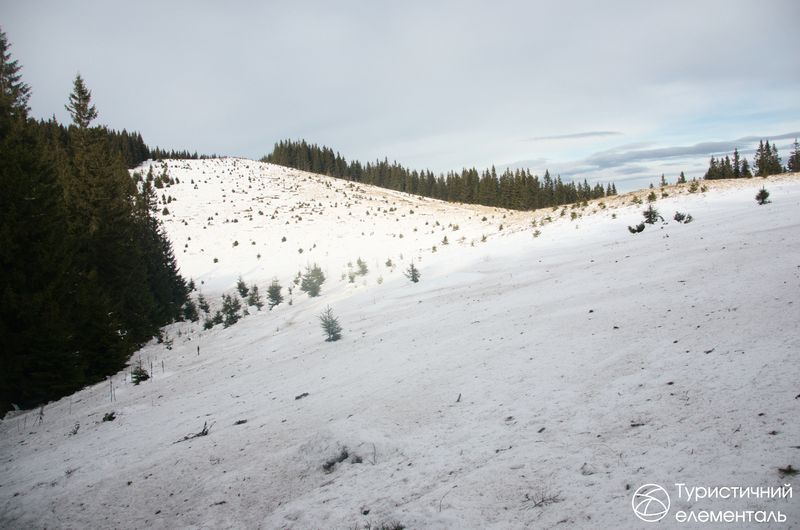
[
  {"x": 130, "y": 146},
  {"x": 766, "y": 161},
  {"x": 514, "y": 189},
  {"x": 88, "y": 272}
]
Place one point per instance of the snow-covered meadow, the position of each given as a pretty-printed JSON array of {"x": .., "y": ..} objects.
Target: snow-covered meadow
[{"x": 535, "y": 377}]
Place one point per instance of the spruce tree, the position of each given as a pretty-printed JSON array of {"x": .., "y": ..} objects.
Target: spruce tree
[
  {"x": 13, "y": 92},
  {"x": 274, "y": 296},
  {"x": 312, "y": 280},
  {"x": 767, "y": 161},
  {"x": 650, "y": 215},
  {"x": 793, "y": 163},
  {"x": 80, "y": 105},
  {"x": 727, "y": 169},
  {"x": 362, "y": 267},
  {"x": 775, "y": 166},
  {"x": 168, "y": 288},
  {"x": 330, "y": 325},
  {"x": 202, "y": 303},
  {"x": 254, "y": 297},
  {"x": 230, "y": 310},
  {"x": 745, "y": 171},
  {"x": 714, "y": 172},
  {"x": 190, "y": 311},
  {"x": 129, "y": 283},
  {"x": 412, "y": 273},
  {"x": 760, "y": 160},
  {"x": 242, "y": 287}
]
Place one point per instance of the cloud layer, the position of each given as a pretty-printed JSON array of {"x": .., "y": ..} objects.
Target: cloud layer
[
  {"x": 421, "y": 82},
  {"x": 575, "y": 136}
]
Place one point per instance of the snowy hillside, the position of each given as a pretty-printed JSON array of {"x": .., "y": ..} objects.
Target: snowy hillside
[
  {"x": 535, "y": 377},
  {"x": 262, "y": 221}
]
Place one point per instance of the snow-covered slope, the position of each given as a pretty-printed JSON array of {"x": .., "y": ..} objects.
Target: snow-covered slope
[
  {"x": 572, "y": 367},
  {"x": 262, "y": 221}
]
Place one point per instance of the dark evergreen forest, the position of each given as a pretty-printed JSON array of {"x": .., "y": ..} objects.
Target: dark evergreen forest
[
  {"x": 88, "y": 274},
  {"x": 129, "y": 146},
  {"x": 766, "y": 161},
  {"x": 517, "y": 189}
]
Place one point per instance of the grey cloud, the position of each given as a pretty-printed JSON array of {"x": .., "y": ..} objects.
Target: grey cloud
[
  {"x": 523, "y": 164},
  {"x": 421, "y": 82},
  {"x": 637, "y": 164},
  {"x": 632, "y": 169},
  {"x": 571, "y": 136},
  {"x": 615, "y": 158},
  {"x": 785, "y": 136}
]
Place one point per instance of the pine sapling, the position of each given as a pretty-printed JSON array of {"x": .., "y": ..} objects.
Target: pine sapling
[
  {"x": 241, "y": 286},
  {"x": 650, "y": 215},
  {"x": 312, "y": 280},
  {"x": 274, "y": 296},
  {"x": 412, "y": 273},
  {"x": 230, "y": 310},
  {"x": 139, "y": 373},
  {"x": 254, "y": 298},
  {"x": 330, "y": 325},
  {"x": 362, "y": 267}
]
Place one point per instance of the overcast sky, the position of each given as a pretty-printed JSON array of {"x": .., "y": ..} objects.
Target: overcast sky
[{"x": 613, "y": 90}]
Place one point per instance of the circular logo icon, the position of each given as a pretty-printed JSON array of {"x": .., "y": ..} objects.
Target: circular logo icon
[{"x": 650, "y": 503}]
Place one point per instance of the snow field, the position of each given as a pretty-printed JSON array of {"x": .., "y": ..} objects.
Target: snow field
[{"x": 572, "y": 367}]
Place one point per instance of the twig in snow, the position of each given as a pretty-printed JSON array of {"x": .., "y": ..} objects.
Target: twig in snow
[
  {"x": 445, "y": 495},
  {"x": 203, "y": 432},
  {"x": 542, "y": 497}
]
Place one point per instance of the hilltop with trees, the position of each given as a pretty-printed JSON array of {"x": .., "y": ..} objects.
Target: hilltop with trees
[
  {"x": 766, "y": 161},
  {"x": 513, "y": 189}
]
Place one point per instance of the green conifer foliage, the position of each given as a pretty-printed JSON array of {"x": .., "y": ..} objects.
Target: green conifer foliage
[
  {"x": 80, "y": 105},
  {"x": 274, "y": 296},
  {"x": 330, "y": 325},
  {"x": 89, "y": 275},
  {"x": 793, "y": 164},
  {"x": 412, "y": 273},
  {"x": 518, "y": 189},
  {"x": 650, "y": 215},
  {"x": 312, "y": 280},
  {"x": 254, "y": 297}
]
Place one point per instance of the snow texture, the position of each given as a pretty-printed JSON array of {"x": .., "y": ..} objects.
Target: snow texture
[{"x": 571, "y": 367}]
